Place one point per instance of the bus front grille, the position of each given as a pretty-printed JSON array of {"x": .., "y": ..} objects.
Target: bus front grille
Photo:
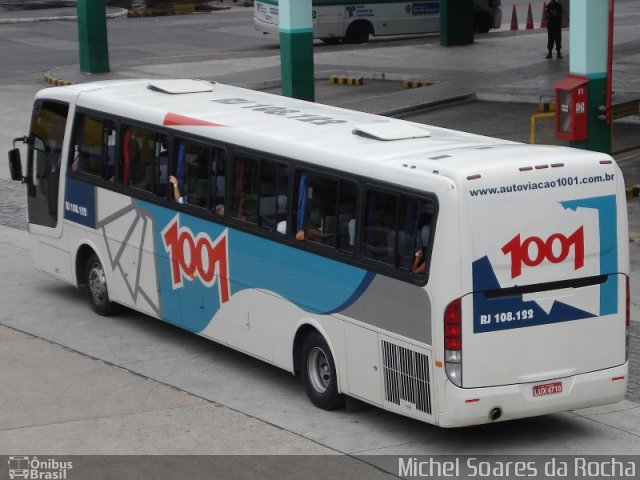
[{"x": 406, "y": 377}]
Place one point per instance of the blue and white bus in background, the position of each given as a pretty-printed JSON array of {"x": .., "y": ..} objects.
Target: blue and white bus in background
[
  {"x": 354, "y": 21},
  {"x": 453, "y": 278}
]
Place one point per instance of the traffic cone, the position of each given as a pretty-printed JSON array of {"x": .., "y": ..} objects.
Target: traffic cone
[
  {"x": 514, "y": 19},
  {"x": 529, "y": 19},
  {"x": 543, "y": 22}
]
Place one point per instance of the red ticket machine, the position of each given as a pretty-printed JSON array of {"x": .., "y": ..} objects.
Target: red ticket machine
[{"x": 572, "y": 108}]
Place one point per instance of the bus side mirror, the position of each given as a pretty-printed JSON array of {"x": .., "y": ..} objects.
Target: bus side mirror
[
  {"x": 15, "y": 165},
  {"x": 15, "y": 162}
]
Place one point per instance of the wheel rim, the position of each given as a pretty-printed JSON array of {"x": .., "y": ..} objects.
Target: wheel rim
[
  {"x": 97, "y": 283},
  {"x": 319, "y": 370}
]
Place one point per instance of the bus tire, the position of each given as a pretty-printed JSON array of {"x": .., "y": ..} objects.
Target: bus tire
[
  {"x": 358, "y": 32},
  {"x": 482, "y": 22},
  {"x": 319, "y": 373},
  {"x": 96, "y": 282}
]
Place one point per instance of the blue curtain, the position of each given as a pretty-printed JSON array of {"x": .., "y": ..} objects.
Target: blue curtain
[
  {"x": 180, "y": 168},
  {"x": 303, "y": 189}
]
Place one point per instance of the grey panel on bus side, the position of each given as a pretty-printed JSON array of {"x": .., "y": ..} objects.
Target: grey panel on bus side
[{"x": 396, "y": 306}]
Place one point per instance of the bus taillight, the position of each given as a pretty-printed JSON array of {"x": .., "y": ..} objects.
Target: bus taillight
[{"x": 453, "y": 341}]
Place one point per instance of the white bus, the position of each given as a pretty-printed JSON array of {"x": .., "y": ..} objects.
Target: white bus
[
  {"x": 354, "y": 21},
  {"x": 449, "y": 277}
]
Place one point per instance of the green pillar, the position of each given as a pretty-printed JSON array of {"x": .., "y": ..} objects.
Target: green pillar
[
  {"x": 456, "y": 22},
  {"x": 296, "y": 49},
  {"x": 92, "y": 36},
  {"x": 588, "y": 36}
]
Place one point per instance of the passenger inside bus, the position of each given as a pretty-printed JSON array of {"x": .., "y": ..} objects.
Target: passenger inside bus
[
  {"x": 422, "y": 242},
  {"x": 177, "y": 196},
  {"x": 79, "y": 162}
]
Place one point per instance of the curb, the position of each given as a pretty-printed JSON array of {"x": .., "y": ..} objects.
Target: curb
[
  {"x": 121, "y": 13},
  {"x": 346, "y": 80},
  {"x": 420, "y": 107},
  {"x": 416, "y": 83},
  {"x": 167, "y": 12}
]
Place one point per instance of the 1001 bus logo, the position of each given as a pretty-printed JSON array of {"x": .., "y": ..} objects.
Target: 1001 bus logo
[
  {"x": 554, "y": 249},
  {"x": 197, "y": 257}
]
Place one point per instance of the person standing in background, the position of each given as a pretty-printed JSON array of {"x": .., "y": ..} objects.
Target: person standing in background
[{"x": 553, "y": 12}]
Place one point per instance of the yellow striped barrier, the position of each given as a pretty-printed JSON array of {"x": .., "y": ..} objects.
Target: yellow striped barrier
[
  {"x": 415, "y": 83},
  {"x": 346, "y": 80}
]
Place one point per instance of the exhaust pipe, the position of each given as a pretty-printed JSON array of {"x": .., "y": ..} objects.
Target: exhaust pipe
[{"x": 495, "y": 413}]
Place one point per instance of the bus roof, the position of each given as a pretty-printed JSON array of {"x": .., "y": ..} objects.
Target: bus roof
[{"x": 333, "y": 137}]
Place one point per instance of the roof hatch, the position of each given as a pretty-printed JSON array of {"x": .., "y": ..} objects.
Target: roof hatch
[
  {"x": 176, "y": 87},
  {"x": 391, "y": 130}
]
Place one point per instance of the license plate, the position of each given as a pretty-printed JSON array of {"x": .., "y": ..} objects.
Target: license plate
[{"x": 547, "y": 389}]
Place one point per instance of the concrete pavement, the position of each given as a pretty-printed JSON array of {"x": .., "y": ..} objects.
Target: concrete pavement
[{"x": 133, "y": 385}]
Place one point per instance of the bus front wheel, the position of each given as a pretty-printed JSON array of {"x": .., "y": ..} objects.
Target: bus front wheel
[
  {"x": 96, "y": 281},
  {"x": 319, "y": 373}
]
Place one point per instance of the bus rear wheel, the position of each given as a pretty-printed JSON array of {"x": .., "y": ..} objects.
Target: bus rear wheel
[
  {"x": 96, "y": 281},
  {"x": 357, "y": 33},
  {"x": 482, "y": 22},
  {"x": 319, "y": 373}
]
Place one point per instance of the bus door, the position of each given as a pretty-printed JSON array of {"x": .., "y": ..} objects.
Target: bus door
[
  {"x": 48, "y": 123},
  {"x": 328, "y": 21},
  {"x": 44, "y": 162},
  {"x": 548, "y": 276}
]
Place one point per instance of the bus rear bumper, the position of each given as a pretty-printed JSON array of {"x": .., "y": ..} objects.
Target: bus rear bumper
[{"x": 476, "y": 406}]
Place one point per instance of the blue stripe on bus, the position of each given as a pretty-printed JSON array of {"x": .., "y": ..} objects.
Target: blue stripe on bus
[
  {"x": 313, "y": 283},
  {"x": 607, "y": 220}
]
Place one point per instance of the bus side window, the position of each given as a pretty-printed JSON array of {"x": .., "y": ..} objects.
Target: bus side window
[
  {"x": 412, "y": 234},
  {"x": 380, "y": 226},
  {"x": 272, "y": 205},
  {"x": 244, "y": 188},
  {"x": 193, "y": 172},
  {"x": 86, "y": 156},
  {"x": 325, "y": 209},
  {"x": 346, "y": 222},
  {"x": 259, "y": 191},
  {"x": 109, "y": 135},
  {"x": 94, "y": 147},
  {"x": 398, "y": 230},
  {"x": 145, "y": 160},
  {"x": 217, "y": 182}
]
